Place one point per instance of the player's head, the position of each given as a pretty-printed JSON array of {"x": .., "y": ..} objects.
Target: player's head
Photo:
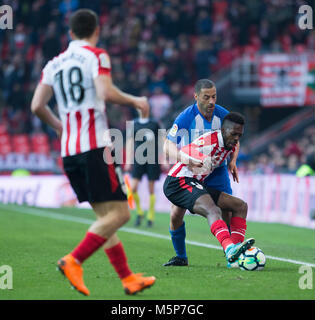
[
  {"x": 84, "y": 24},
  {"x": 232, "y": 129},
  {"x": 206, "y": 96}
]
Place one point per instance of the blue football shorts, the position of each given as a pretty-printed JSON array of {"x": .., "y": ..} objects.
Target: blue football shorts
[{"x": 219, "y": 179}]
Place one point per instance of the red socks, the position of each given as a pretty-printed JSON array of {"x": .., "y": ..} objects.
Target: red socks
[
  {"x": 116, "y": 254},
  {"x": 220, "y": 230},
  {"x": 118, "y": 259},
  {"x": 87, "y": 246},
  {"x": 238, "y": 229}
]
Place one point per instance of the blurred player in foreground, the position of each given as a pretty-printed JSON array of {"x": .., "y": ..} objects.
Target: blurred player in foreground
[
  {"x": 80, "y": 78},
  {"x": 145, "y": 138},
  {"x": 184, "y": 185},
  {"x": 204, "y": 115}
]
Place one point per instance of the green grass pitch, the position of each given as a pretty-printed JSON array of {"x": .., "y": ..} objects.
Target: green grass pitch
[{"x": 33, "y": 239}]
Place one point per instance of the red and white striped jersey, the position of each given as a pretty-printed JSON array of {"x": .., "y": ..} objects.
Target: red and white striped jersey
[
  {"x": 208, "y": 148},
  {"x": 72, "y": 74}
]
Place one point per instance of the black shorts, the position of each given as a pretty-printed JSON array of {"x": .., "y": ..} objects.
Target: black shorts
[
  {"x": 92, "y": 179},
  {"x": 152, "y": 171},
  {"x": 184, "y": 191}
]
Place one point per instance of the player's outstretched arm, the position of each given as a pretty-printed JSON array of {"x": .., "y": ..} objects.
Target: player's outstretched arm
[
  {"x": 106, "y": 90},
  {"x": 39, "y": 107}
]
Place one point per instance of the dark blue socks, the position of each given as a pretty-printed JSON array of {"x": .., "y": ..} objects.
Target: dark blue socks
[{"x": 178, "y": 238}]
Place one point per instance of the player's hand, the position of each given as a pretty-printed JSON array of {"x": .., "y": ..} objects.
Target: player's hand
[
  {"x": 194, "y": 164},
  {"x": 58, "y": 130},
  {"x": 142, "y": 104},
  {"x": 233, "y": 169}
]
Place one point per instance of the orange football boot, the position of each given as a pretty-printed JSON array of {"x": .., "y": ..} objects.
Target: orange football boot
[
  {"x": 73, "y": 271},
  {"x": 136, "y": 282}
]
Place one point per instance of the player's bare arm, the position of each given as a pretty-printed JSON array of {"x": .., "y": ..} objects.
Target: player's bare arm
[
  {"x": 42, "y": 95},
  {"x": 106, "y": 90},
  {"x": 232, "y": 165}
]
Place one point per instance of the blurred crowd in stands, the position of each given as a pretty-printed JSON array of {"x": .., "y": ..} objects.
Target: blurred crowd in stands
[
  {"x": 158, "y": 48},
  {"x": 286, "y": 157}
]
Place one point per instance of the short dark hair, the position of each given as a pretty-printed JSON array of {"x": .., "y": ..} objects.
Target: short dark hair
[
  {"x": 234, "y": 117},
  {"x": 203, "y": 83},
  {"x": 83, "y": 23}
]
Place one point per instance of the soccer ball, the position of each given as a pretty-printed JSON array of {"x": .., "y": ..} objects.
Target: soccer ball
[{"x": 252, "y": 260}]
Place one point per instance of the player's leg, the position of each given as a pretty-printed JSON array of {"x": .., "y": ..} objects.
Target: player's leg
[
  {"x": 152, "y": 200},
  {"x": 226, "y": 216},
  {"x": 176, "y": 195},
  {"x": 134, "y": 187},
  {"x": 103, "y": 188},
  {"x": 153, "y": 173},
  {"x": 110, "y": 216},
  {"x": 178, "y": 235},
  {"x": 219, "y": 180},
  {"x": 239, "y": 209},
  {"x": 206, "y": 207},
  {"x": 131, "y": 282},
  {"x": 113, "y": 247},
  {"x": 74, "y": 167}
]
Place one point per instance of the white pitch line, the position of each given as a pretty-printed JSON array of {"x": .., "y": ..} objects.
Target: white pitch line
[{"x": 64, "y": 217}]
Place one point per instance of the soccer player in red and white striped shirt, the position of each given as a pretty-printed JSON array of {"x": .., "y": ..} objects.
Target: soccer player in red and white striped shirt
[
  {"x": 208, "y": 149},
  {"x": 80, "y": 78},
  {"x": 184, "y": 188}
]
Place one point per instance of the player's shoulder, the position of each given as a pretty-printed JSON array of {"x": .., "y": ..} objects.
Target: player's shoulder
[
  {"x": 99, "y": 54},
  {"x": 210, "y": 136},
  {"x": 97, "y": 51},
  {"x": 220, "y": 111},
  {"x": 188, "y": 114}
]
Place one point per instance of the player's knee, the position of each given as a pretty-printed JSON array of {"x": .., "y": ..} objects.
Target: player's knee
[
  {"x": 216, "y": 212},
  {"x": 125, "y": 216},
  {"x": 121, "y": 218},
  {"x": 211, "y": 212},
  {"x": 242, "y": 209},
  {"x": 202, "y": 209}
]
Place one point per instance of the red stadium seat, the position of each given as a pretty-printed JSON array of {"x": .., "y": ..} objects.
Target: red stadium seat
[
  {"x": 39, "y": 138},
  {"x": 4, "y": 139},
  {"x": 5, "y": 148},
  {"x": 20, "y": 139},
  {"x": 56, "y": 145},
  {"x": 41, "y": 148},
  {"x": 40, "y": 143},
  {"x": 3, "y": 129},
  {"x": 21, "y": 148}
]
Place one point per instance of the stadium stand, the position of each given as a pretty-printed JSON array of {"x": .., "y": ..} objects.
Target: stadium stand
[{"x": 158, "y": 49}]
